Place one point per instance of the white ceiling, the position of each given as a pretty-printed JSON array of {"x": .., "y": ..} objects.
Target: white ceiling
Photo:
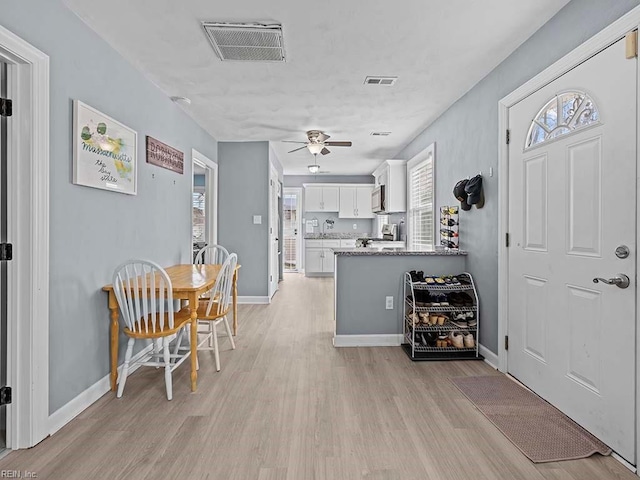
[{"x": 438, "y": 49}]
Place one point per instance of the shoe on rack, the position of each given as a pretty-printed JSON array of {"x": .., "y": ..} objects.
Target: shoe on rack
[
  {"x": 456, "y": 339},
  {"x": 469, "y": 341},
  {"x": 473, "y": 322},
  {"x": 460, "y": 323},
  {"x": 420, "y": 276}
]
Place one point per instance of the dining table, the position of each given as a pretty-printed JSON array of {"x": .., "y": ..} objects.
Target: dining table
[{"x": 188, "y": 283}]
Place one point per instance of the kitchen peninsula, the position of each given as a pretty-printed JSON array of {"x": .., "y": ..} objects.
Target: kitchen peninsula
[{"x": 365, "y": 277}]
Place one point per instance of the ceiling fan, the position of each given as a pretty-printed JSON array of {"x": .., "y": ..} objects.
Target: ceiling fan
[{"x": 317, "y": 143}]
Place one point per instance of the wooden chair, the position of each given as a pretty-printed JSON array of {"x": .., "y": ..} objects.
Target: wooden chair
[
  {"x": 216, "y": 307},
  {"x": 213, "y": 253},
  {"x": 143, "y": 291}
]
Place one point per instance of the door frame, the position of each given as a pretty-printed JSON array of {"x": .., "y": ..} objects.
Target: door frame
[
  {"x": 608, "y": 36},
  {"x": 211, "y": 209},
  {"x": 272, "y": 224},
  {"x": 28, "y": 227},
  {"x": 298, "y": 192}
]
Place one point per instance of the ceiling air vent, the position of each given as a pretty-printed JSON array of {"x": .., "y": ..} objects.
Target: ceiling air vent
[
  {"x": 382, "y": 81},
  {"x": 247, "y": 42},
  {"x": 380, "y": 134}
]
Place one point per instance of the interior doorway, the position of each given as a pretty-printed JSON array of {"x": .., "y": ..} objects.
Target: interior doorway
[
  {"x": 292, "y": 216},
  {"x": 204, "y": 203},
  {"x": 274, "y": 232}
]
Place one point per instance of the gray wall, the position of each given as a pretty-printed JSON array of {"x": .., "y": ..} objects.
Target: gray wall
[
  {"x": 363, "y": 282},
  {"x": 466, "y": 138},
  {"x": 244, "y": 192},
  {"x": 92, "y": 231}
]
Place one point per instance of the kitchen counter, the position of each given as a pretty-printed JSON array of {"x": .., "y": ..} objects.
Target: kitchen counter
[
  {"x": 335, "y": 235},
  {"x": 366, "y": 277},
  {"x": 391, "y": 251}
]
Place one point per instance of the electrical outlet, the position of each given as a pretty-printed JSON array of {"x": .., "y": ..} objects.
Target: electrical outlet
[
  {"x": 389, "y": 303},
  {"x": 355, "y": 226}
]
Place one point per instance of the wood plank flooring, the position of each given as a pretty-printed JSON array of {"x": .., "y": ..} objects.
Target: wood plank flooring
[{"x": 288, "y": 405}]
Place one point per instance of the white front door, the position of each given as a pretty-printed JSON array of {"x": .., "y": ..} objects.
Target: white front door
[{"x": 572, "y": 202}]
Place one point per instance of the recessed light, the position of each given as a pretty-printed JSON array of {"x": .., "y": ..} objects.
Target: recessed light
[
  {"x": 380, "y": 81},
  {"x": 380, "y": 134}
]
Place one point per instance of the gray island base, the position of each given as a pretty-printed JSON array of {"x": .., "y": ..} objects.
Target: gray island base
[{"x": 364, "y": 278}]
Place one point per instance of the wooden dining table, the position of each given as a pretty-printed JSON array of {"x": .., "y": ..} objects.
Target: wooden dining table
[{"x": 188, "y": 282}]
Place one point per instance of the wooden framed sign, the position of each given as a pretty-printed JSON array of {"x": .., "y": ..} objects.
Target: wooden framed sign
[
  {"x": 162, "y": 155},
  {"x": 104, "y": 151}
]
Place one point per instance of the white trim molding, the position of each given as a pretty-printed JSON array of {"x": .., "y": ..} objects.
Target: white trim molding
[
  {"x": 608, "y": 36},
  {"x": 490, "y": 358},
  {"x": 79, "y": 404},
  {"x": 390, "y": 340},
  {"x": 253, "y": 300},
  {"x": 28, "y": 225}
]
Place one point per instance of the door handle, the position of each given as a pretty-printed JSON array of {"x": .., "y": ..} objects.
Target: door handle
[{"x": 620, "y": 280}]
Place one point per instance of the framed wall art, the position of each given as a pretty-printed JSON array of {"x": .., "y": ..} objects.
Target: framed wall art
[{"x": 104, "y": 151}]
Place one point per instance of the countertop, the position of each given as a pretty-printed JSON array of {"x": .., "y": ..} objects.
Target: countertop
[
  {"x": 335, "y": 235},
  {"x": 348, "y": 252}
]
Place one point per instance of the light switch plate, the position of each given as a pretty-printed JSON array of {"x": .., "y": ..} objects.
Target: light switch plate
[
  {"x": 257, "y": 219},
  {"x": 355, "y": 226},
  {"x": 389, "y": 303}
]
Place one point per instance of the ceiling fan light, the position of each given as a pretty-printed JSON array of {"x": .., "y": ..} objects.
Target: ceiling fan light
[
  {"x": 314, "y": 168},
  {"x": 315, "y": 148}
]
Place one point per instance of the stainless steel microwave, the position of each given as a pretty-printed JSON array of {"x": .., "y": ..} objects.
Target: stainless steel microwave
[{"x": 377, "y": 199}]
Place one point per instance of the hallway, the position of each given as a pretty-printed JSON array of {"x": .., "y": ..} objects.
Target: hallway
[{"x": 287, "y": 404}]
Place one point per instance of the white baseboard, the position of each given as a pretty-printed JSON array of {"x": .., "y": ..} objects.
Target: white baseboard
[
  {"x": 489, "y": 357},
  {"x": 75, "y": 407},
  {"x": 253, "y": 300},
  {"x": 390, "y": 340}
]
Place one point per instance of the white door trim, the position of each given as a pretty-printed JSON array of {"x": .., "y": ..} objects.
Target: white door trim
[
  {"x": 28, "y": 226},
  {"x": 212, "y": 200},
  {"x": 272, "y": 259},
  {"x": 588, "y": 49},
  {"x": 298, "y": 192}
]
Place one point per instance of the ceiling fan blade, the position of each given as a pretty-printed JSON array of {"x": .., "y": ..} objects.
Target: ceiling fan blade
[
  {"x": 291, "y": 141},
  {"x": 325, "y": 150},
  {"x": 323, "y": 137},
  {"x": 297, "y": 149},
  {"x": 338, "y": 144}
]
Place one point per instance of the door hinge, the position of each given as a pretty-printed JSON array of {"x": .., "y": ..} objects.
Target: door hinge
[
  {"x": 506, "y": 342},
  {"x": 5, "y": 395},
  {"x": 631, "y": 44},
  {"x": 6, "y": 251},
  {"x": 6, "y": 107},
  {"x": 508, "y": 136},
  {"x": 507, "y": 240}
]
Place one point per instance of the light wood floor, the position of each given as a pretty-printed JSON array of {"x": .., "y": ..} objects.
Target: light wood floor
[{"x": 287, "y": 405}]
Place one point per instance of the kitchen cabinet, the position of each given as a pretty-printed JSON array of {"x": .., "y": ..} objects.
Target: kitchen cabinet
[
  {"x": 348, "y": 243},
  {"x": 319, "y": 255},
  {"x": 355, "y": 202},
  {"x": 393, "y": 175},
  {"x": 321, "y": 198}
]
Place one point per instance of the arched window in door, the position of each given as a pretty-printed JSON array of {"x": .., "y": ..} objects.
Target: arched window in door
[{"x": 563, "y": 114}]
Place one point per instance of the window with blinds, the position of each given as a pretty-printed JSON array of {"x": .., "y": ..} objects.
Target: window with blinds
[{"x": 421, "y": 208}]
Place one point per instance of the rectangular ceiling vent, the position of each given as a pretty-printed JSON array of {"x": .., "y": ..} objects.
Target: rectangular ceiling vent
[
  {"x": 382, "y": 81},
  {"x": 380, "y": 134},
  {"x": 246, "y": 42}
]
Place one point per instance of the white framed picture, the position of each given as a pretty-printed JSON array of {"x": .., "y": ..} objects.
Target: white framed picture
[{"x": 104, "y": 151}]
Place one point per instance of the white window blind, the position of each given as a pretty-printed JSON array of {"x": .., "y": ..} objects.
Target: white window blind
[{"x": 421, "y": 208}]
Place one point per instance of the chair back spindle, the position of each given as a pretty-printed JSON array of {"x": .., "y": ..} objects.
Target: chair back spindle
[
  {"x": 143, "y": 291},
  {"x": 220, "y": 295},
  {"x": 213, "y": 254}
]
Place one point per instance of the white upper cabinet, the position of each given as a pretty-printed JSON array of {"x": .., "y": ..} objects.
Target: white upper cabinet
[
  {"x": 363, "y": 202},
  {"x": 321, "y": 198},
  {"x": 355, "y": 202},
  {"x": 393, "y": 175},
  {"x": 331, "y": 199},
  {"x": 313, "y": 199}
]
